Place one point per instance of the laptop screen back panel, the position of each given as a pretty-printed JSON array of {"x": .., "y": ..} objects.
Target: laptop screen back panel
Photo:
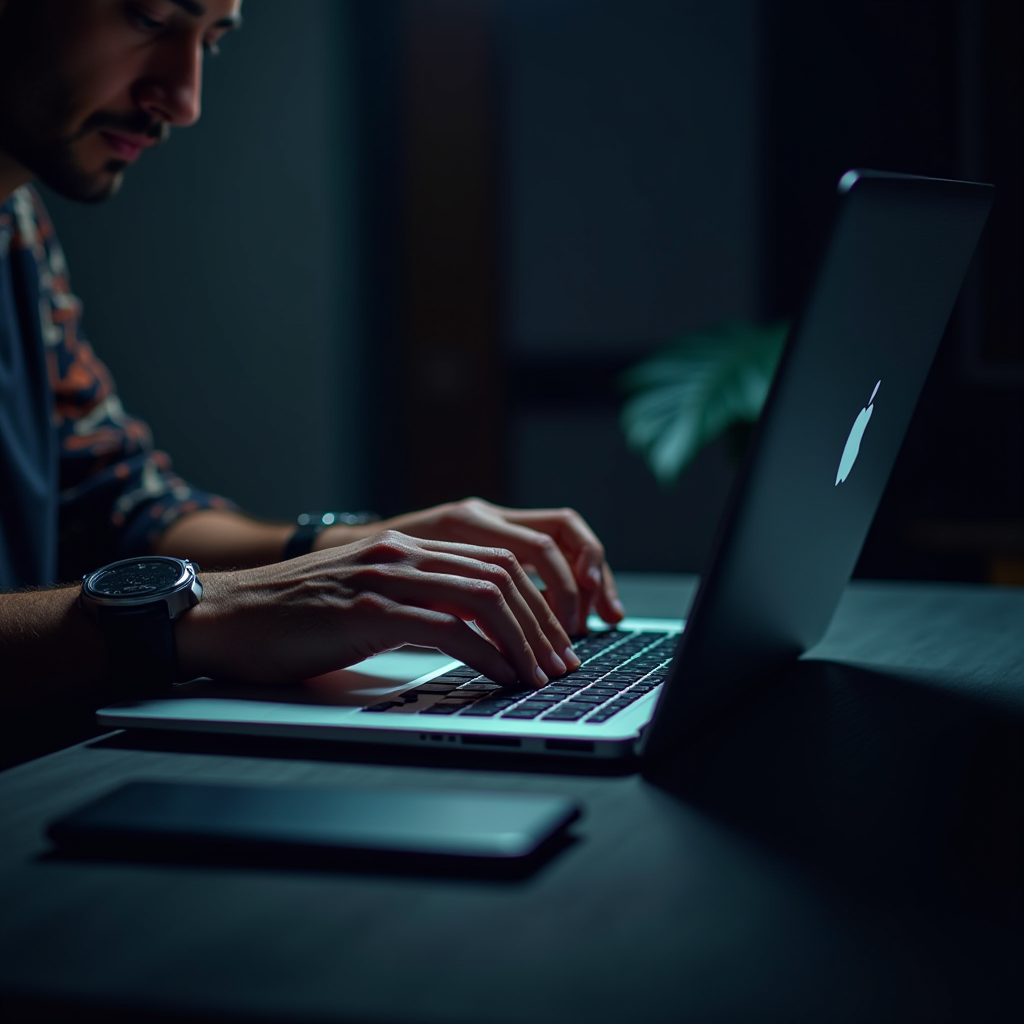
[{"x": 801, "y": 511}]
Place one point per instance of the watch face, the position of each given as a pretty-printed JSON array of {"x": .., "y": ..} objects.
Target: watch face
[{"x": 136, "y": 579}]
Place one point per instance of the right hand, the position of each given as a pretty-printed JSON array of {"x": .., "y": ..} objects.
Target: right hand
[{"x": 297, "y": 619}]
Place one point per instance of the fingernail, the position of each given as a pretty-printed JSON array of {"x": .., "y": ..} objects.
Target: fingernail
[
  {"x": 595, "y": 575},
  {"x": 557, "y": 664},
  {"x": 541, "y": 678},
  {"x": 617, "y": 605},
  {"x": 571, "y": 658}
]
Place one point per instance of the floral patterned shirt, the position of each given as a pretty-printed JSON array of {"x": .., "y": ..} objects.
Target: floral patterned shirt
[{"x": 81, "y": 483}]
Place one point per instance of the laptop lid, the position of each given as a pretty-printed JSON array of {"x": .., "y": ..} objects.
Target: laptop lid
[{"x": 840, "y": 404}]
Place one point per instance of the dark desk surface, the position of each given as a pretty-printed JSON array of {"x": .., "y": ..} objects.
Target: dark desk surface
[{"x": 847, "y": 846}]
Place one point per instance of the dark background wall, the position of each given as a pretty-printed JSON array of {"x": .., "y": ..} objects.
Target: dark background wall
[
  {"x": 631, "y": 202},
  {"x": 412, "y": 243}
]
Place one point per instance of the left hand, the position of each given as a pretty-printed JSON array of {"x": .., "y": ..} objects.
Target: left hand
[{"x": 555, "y": 543}]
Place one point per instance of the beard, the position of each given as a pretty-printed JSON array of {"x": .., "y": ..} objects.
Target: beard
[
  {"x": 55, "y": 166},
  {"x": 49, "y": 153}
]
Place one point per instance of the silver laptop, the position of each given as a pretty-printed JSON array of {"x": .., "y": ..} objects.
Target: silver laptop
[{"x": 836, "y": 415}]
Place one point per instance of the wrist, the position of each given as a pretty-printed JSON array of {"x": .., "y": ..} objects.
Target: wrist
[
  {"x": 199, "y": 635},
  {"x": 48, "y": 646},
  {"x": 338, "y": 535}
]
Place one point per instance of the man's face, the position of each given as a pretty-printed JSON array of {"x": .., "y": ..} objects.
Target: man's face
[{"x": 87, "y": 85}]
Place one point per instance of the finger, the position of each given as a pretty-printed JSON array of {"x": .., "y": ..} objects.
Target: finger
[
  {"x": 449, "y": 634},
  {"x": 542, "y": 552},
  {"x": 473, "y": 600},
  {"x": 591, "y": 568},
  {"x": 507, "y": 561},
  {"x": 606, "y": 601},
  {"x": 549, "y": 641},
  {"x": 562, "y": 593},
  {"x": 573, "y": 535}
]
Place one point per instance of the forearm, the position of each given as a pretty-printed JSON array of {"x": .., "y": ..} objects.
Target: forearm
[{"x": 48, "y": 646}]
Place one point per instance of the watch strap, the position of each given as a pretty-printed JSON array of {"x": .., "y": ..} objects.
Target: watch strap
[
  {"x": 311, "y": 524},
  {"x": 140, "y": 645},
  {"x": 301, "y": 541}
]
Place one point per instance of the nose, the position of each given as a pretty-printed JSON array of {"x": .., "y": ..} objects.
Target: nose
[{"x": 171, "y": 88}]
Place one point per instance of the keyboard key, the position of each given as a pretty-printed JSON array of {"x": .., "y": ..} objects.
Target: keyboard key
[
  {"x": 625, "y": 699},
  {"x": 512, "y": 687},
  {"x": 442, "y": 709},
  {"x": 576, "y": 706},
  {"x": 522, "y": 711},
  {"x": 585, "y": 698},
  {"x": 436, "y": 687},
  {"x": 384, "y": 705},
  {"x": 484, "y": 707},
  {"x": 592, "y": 640},
  {"x": 480, "y": 687},
  {"x": 565, "y": 714}
]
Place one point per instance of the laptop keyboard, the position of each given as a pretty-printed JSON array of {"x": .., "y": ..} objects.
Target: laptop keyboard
[{"x": 618, "y": 668}]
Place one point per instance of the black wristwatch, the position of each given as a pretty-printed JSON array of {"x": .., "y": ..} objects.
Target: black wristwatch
[
  {"x": 135, "y": 601},
  {"x": 310, "y": 524}
]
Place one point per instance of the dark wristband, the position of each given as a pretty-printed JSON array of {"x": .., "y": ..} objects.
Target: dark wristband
[
  {"x": 311, "y": 524},
  {"x": 140, "y": 645}
]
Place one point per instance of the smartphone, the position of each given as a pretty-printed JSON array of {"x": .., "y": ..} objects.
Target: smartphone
[{"x": 427, "y": 823}]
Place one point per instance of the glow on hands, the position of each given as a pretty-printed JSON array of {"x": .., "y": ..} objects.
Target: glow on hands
[
  {"x": 555, "y": 543},
  {"x": 297, "y": 619}
]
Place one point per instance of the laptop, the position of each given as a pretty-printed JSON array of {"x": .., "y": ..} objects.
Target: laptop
[{"x": 839, "y": 406}]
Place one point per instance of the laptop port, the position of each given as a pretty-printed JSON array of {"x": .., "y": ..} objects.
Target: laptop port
[{"x": 574, "y": 746}]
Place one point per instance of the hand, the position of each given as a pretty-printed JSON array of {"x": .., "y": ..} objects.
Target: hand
[
  {"x": 555, "y": 543},
  {"x": 297, "y": 619}
]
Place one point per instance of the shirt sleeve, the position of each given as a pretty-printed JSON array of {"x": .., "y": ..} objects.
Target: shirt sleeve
[{"x": 117, "y": 492}]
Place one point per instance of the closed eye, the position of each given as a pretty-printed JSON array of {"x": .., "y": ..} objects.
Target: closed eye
[{"x": 142, "y": 20}]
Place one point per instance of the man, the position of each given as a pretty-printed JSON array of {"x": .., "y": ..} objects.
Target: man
[{"x": 86, "y": 86}]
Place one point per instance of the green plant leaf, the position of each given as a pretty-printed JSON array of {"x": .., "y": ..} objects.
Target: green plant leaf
[{"x": 704, "y": 383}]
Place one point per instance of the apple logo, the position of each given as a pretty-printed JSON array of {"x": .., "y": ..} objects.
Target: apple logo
[{"x": 852, "y": 449}]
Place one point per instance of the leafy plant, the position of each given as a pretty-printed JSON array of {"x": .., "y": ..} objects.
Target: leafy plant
[{"x": 705, "y": 384}]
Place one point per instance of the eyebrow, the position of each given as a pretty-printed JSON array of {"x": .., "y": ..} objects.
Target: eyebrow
[{"x": 197, "y": 10}]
